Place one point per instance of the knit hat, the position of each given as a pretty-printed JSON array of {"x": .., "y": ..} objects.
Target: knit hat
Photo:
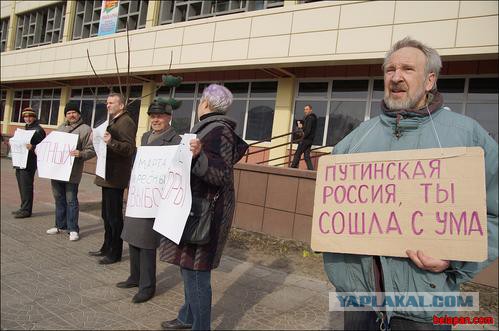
[
  {"x": 157, "y": 107},
  {"x": 72, "y": 105},
  {"x": 28, "y": 112}
]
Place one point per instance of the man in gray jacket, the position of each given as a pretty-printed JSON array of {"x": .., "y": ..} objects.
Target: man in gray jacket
[{"x": 66, "y": 193}]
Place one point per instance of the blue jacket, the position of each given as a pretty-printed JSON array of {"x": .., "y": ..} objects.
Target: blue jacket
[{"x": 354, "y": 273}]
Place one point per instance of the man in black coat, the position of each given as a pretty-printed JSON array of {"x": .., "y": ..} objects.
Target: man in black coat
[
  {"x": 309, "y": 128},
  {"x": 25, "y": 177}
]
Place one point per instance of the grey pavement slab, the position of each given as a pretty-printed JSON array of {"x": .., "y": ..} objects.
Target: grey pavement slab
[{"x": 49, "y": 282}]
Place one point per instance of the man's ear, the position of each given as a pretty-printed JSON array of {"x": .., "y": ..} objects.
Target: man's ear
[{"x": 430, "y": 81}]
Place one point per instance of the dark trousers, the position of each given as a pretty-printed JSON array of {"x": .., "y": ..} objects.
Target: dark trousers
[
  {"x": 369, "y": 320},
  {"x": 112, "y": 214},
  {"x": 143, "y": 268},
  {"x": 197, "y": 291},
  {"x": 25, "y": 179},
  {"x": 303, "y": 148}
]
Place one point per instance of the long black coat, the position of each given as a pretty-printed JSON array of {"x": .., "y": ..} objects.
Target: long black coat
[
  {"x": 120, "y": 152},
  {"x": 138, "y": 231},
  {"x": 211, "y": 171}
]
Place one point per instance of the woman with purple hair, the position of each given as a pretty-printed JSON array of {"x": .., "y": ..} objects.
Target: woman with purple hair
[{"x": 215, "y": 152}]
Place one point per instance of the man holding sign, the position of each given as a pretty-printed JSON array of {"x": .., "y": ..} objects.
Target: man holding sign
[
  {"x": 25, "y": 177},
  {"x": 120, "y": 140},
  {"x": 413, "y": 118}
]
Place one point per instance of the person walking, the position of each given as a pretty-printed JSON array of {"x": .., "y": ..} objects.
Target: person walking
[
  {"x": 120, "y": 140},
  {"x": 309, "y": 127},
  {"x": 26, "y": 177},
  {"x": 138, "y": 232},
  {"x": 215, "y": 152},
  {"x": 67, "y": 208}
]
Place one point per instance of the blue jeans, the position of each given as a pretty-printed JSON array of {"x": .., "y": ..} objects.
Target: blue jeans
[
  {"x": 197, "y": 291},
  {"x": 66, "y": 205}
]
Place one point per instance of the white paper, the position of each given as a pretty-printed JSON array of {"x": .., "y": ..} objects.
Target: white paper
[
  {"x": 100, "y": 149},
  {"x": 174, "y": 209},
  {"x": 18, "y": 149},
  {"x": 53, "y": 159},
  {"x": 148, "y": 180}
]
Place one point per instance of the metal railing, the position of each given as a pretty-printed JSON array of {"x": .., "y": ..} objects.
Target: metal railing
[{"x": 289, "y": 155}]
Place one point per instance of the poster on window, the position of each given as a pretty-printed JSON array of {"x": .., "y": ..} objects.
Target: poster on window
[
  {"x": 149, "y": 180},
  {"x": 108, "y": 17},
  {"x": 53, "y": 159},
  {"x": 100, "y": 148},
  {"x": 175, "y": 207},
  {"x": 18, "y": 150}
]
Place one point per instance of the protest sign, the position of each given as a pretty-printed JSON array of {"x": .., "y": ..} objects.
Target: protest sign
[
  {"x": 53, "y": 159},
  {"x": 174, "y": 209},
  {"x": 100, "y": 148},
  {"x": 384, "y": 203},
  {"x": 148, "y": 181},
  {"x": 18, "y": 150}
]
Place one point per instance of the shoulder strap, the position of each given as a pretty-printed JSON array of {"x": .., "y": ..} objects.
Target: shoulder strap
[
  {"x": 76, "y": 127},
  {"x": 205, "y": 129}
]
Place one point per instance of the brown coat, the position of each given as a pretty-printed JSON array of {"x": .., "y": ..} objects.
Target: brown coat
[
  {"x": 120, "y": 151},
  {"x": 138, "y": 231},
  {"x": 211, "y": 171}
]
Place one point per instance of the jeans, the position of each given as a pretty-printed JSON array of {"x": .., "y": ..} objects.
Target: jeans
[
  {"x": 197, "y": 291},
  {"x": 303, "y": 148},
  {"x": 112, "y": 214},
  {"x": 368, "y": 320},
  {"x": 67, "y": 207},
  {"x": 25, "y": 179}
]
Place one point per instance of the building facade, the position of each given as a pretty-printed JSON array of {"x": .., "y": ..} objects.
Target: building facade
[{"x": 275, "y": 56}]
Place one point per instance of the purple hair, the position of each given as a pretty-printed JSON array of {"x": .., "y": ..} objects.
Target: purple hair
[{"x": 219, "y": 97}]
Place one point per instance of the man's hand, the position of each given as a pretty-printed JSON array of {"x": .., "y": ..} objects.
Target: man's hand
[
  {"x": 107, "y": 137},
  {"x": 29, "y": 146},
  {"x": 426, "y": 262},
  {"x": 195, "y": 146},
  {"x": 75, "y": 153}
]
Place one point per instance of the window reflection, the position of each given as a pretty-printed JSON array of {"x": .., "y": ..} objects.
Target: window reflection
[
  {"x": 260, "y": 120},
  {"x": 344, "y": 116}
]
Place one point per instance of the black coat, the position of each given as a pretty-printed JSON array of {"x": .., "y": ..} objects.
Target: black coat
[
  {"x": 38, "y": 136},
  {"x": 138, "y": 231},
  {"x": 309, "y": 127}
]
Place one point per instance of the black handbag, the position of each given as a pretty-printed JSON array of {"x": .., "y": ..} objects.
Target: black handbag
[{"x": 198, "y": 225}]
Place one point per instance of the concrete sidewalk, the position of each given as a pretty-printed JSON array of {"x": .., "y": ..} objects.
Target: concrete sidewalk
[{"x": 48, "y": 282}]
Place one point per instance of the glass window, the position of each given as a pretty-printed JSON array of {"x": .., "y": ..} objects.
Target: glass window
[
  {"x": 313, "y": 89},
  {"x": 260, "y": 119},
  {"x": 42, "y": 102},
  {"x": 181, "y": 117},
  {"x": 486, "y": 115},
  {"x": 2, "y": 104},
  {"x": 263, "y": 89},
  {"x": 452, "y": 89},
  {"x": 237, "y": 112},
  {"x": 483, "y": 90},
  {"x": 344, "y": 116},
  {"x": 239, "y": 89},
  {"x": 41, "y": 26},
  {"x": 319, "y": 108},
  {"x": 348, "y": 89},
  {"x": 4, "y": 30}
]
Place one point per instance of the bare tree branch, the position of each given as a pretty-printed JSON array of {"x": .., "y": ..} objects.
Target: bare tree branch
[
  {"x": 92, "y": 66},
  {"x": 117, "y": 69},
  {"x": 142, "y": 97}
]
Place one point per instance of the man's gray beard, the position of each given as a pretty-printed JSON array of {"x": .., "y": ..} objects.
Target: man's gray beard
[{"x": 408, "y": 103}]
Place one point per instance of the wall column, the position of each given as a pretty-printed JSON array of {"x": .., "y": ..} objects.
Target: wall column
[
  {"x": 11, "y": 34},
  {"x": 152, "y": 13},
  {"x": 69, "y": 21},
  {"x": 65, "y": 95},
  {"x": 7, "y": 112},
  {"x": 283, "y": 115},
  {"x": 143, "y": 125}
]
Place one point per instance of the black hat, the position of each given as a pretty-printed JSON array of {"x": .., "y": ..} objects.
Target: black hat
[
  {"x": 72, "y": 105},
  {"x": 157, "y": 107}
]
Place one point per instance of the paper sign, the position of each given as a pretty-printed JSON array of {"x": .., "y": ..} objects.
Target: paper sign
[
  {"x": 18, "y": 150},
  {"x": 108, "y": 17},
  {"x": 384, "y": 203},
  {"x": 174, "y": 209},
  {"x": 100, "y": 148},
  {"x": 148, "y": 181},
  {"x": 53, "y": 159}
]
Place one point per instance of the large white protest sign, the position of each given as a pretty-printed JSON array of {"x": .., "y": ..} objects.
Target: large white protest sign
[
  {"x": 100, "y": 148},
  {"x": 53, "y": 159},
  {"x": 18, "y": 150},
  {"x": 149, "y": 179},
  {"x": 174, "y": 209}
]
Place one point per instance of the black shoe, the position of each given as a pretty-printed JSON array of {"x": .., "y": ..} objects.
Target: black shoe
[
  {"x": 96, "y": 253},
  {"x": 14, "y": 212},
  {"x": 22, "y": 214},
  {"x": 175, "y": 325},
  {"x": 142, "y": 297},
  {"x": 106, "y": 260},
  {"x": 127, "y": 284}
]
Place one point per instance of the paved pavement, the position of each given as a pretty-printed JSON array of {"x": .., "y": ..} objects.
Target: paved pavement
[{"x": 48, "y": 282}]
